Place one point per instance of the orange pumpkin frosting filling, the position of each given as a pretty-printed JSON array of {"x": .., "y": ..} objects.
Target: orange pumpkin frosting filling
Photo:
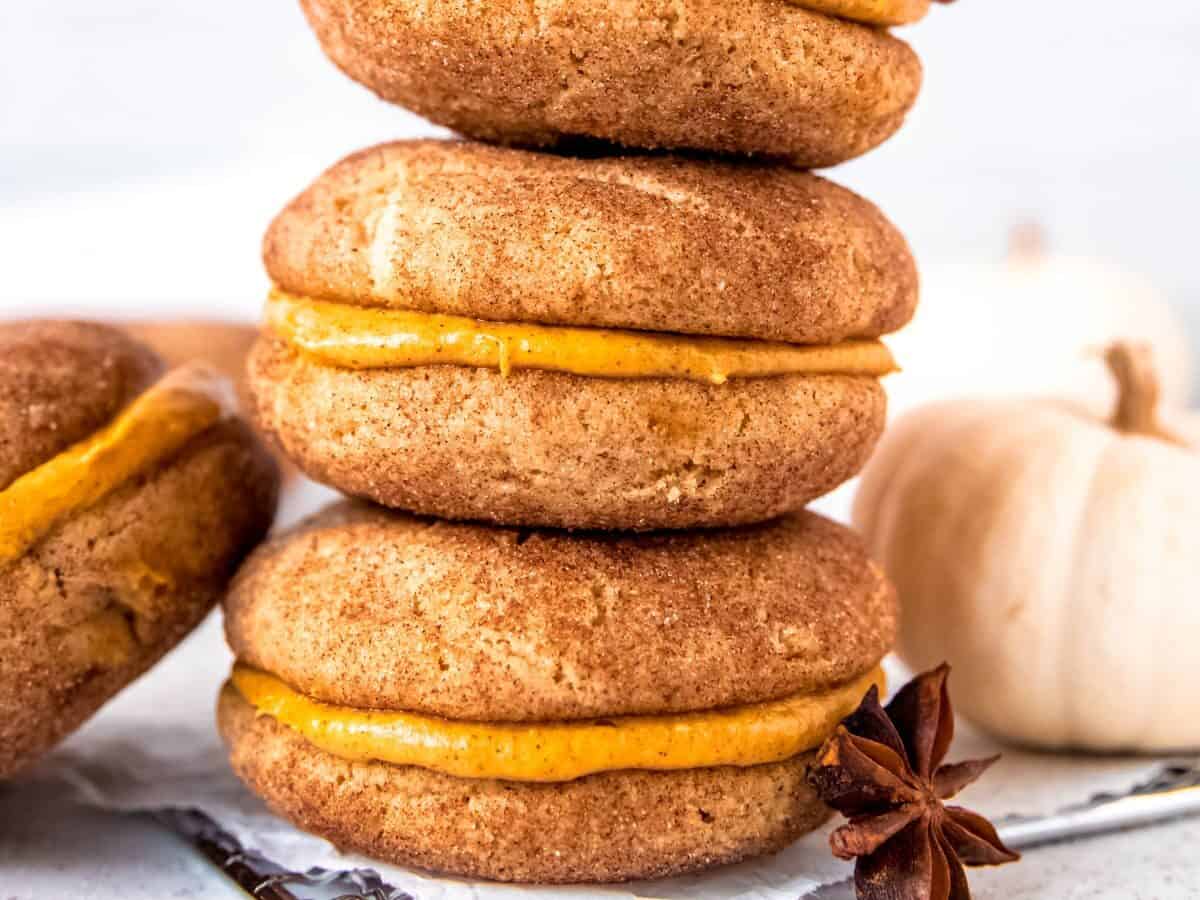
[
  {"x": 559, "y": 751},
  {"x": 355, "y": 337}
]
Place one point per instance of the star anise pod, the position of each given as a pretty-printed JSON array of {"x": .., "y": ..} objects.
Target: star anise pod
[{"x": 882, "y": 769}]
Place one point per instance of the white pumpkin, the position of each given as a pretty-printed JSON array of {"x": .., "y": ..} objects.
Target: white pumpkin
[
  {"x": 1034, "y": 323},
  {"x": 1052, "y": 558}
]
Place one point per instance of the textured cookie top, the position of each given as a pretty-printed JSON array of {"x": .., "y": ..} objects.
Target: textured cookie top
[
  {"x": 59, "y": 382},
  {"x": 373, "y": 609},
  {"x": 758, "y": 77},
  {"x": 652, "y": 243}
]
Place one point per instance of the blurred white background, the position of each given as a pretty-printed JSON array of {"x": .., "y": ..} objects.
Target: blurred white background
[{"x": 144, "y": 145}]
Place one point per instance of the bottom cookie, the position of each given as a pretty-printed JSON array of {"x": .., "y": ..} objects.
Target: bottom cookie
[{"x": 615, "y": 826}]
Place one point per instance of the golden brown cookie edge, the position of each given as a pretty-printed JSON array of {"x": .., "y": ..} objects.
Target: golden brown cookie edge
[{"x": 653, "y": 243}]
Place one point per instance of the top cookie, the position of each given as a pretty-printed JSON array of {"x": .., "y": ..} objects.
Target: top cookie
[
  {"x": 734, "y": 249},
  {"x": 762, "y": 77}
]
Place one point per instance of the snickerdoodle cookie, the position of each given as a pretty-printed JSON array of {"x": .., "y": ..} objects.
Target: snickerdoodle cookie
[
  {"x": 527, "y": 705},
  {"x": 762, "y": 77},
  {"x": 484, "y": 333},
  {"x": 126, "y": 502}
]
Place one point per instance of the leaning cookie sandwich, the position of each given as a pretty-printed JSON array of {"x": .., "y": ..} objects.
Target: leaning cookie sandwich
[{"x": 128, "y": 496}]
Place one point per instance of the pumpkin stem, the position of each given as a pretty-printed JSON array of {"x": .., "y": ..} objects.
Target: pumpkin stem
[{"x": 1132, "y": 364}]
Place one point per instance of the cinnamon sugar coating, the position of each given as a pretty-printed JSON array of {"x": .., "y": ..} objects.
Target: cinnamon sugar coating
[
  {"x": 112, "y": 587},
  {"x": 644, "y": 242},
  {"x": 367, "y": 608},
  {"x": 560, "y": 450},
  {"x": 762, "y": 77}
]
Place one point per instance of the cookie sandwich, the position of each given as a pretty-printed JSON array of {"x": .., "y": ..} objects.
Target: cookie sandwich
[
  {"x": 128, "y": 497},
  {"x": 474, "y": 332},
  {"x": 536, "y": 706}
]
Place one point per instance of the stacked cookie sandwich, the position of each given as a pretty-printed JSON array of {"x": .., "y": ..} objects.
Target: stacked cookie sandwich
[{"x": 576, "y": 625}]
